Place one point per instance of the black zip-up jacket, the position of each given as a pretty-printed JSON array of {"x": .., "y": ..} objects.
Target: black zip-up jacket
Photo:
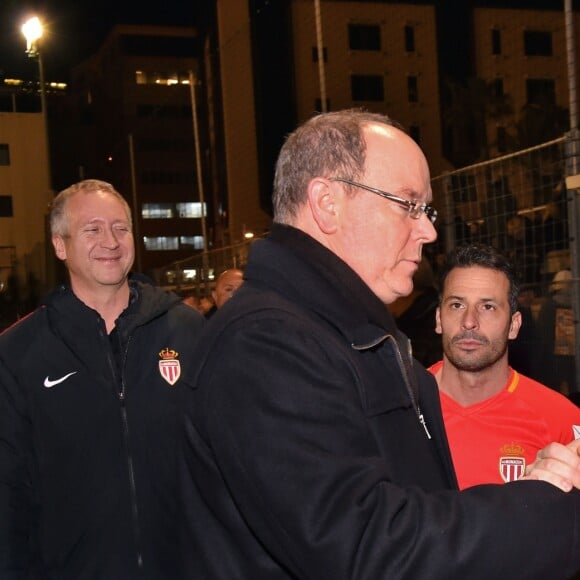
[
  {"x": 88, "y": 427},
  {"x": 316, "y": 447}
]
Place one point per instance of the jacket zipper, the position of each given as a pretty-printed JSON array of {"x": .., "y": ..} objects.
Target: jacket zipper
[
  {"x": 130, "y": 468},
  {"x": 406, "y": 379},
  {"x": 413, "y": 392}
]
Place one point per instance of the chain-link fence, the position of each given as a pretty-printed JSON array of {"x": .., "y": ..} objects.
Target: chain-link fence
[
  {"x": 519, "y": 204},
  {"x": 196, "y": 275}
]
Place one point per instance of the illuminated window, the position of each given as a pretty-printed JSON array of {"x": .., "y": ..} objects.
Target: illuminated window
[
  {"x": 161, "y": 78},
  {"x": 157, "y": 211},
  {"x": 161, "y": 243},
  {"x": 196, "y": 242},
  {"x": 187, "y": 210},
  {"x": 190, "y": 209}
]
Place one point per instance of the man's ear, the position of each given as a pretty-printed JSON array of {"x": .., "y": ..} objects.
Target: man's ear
[
  {"x": 438, "y": 328},
  {"x": 515, "y": 325},
  {"x": 322, "y": 202},
  {"x": 59, "y": 247}
]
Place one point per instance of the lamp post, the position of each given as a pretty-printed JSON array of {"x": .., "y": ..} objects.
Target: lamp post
[
  {"x": 192, "y": 88},
  {"x": 32, "y": 30}
]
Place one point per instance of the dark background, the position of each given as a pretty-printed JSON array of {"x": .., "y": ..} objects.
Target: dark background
[{"x": 75, "y": 28}]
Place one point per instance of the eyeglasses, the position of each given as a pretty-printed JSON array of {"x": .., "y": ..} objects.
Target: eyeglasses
[{"x": 415, "y": 209}]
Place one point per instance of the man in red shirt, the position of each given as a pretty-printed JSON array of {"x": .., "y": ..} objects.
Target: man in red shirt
[{"x": 496, "y": 419}]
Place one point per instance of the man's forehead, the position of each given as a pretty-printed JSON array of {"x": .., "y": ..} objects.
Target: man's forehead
[
  {"x": 90, "y": 199},
  {"x": 472, "y": 278}
]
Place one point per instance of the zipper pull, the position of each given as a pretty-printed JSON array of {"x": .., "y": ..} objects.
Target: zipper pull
[{"x": 422, "y": 421}]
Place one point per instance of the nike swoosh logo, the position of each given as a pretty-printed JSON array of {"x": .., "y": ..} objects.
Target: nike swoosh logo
[{"x": 48, "y": 383}]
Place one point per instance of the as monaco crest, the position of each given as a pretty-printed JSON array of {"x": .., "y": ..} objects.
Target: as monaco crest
[
  {"x": 513, "y": 465},
  {"x": 169, "y": 366}
]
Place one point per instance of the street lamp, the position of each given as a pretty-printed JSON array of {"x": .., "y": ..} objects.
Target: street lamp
[{"x": 32, "y": 30}]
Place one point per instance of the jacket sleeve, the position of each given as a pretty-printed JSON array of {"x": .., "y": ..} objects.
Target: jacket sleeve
[
  {"x": 279, "y": 415},
  {"x": 16, "y": 504}
]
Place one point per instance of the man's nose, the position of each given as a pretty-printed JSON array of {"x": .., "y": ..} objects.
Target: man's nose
[
  {"x": 109, "y": 238},
  {"x": 470, "y": 319},
  {"x": 427, "y": 229}
]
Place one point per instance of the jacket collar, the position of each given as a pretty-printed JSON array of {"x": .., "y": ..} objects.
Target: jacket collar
[
  {"x": 315, "y": 277},
  {"x": 145, "y": 303}
]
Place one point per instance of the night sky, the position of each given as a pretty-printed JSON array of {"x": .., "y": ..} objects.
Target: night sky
[{"x": 77, "y": 27}]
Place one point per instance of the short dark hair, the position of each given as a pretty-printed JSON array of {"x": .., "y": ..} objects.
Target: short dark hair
[
  {"x": 326, "y": 145},
  {"x": 483, "y": 256}
]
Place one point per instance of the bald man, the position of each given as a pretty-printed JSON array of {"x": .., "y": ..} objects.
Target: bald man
[{"x": 227, "y": 283}]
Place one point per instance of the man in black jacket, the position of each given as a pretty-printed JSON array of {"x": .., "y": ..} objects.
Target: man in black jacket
[
  {"x": 315, "y": 444},
  {"x": 91, "y": 388}
]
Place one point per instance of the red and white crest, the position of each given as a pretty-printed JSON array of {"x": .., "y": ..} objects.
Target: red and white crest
[
  {"x": 511, "y": 468},
  {"x": 169, "y": 366},
  {"x": 512, "y": 464}
]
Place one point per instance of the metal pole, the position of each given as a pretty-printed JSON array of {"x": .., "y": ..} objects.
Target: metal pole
[
  {"x": 320, "y": 51},
  {"x": 44, "y": 112},
  {"x": 572, "y": 165},
  {"x": 136, "y": 212},
  {"x": 571, "y": 61},
  {"x": 192, "y": 84}
]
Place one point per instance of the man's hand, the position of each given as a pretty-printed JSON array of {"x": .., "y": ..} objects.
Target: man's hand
[{"x": 557, "y": 464}]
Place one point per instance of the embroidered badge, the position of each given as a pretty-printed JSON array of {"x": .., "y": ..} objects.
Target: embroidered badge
[
  {"x": 169, "y": 366},
  {"x": 512, "y": 464}
]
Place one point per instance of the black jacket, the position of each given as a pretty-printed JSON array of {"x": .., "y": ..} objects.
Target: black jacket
[
  {"x": 87, "y": 439},
  {"x": 307, "y": 456}
]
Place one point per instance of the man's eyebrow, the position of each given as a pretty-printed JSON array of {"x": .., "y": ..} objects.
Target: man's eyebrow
[
  {"x": 479, "y": 300},
  {"x": 452, "y": 297},
  {"x": 413, "y": 194}
]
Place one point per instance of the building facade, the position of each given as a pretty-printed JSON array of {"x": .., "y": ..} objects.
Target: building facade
[
  {"x": 25, "y": 191},
  {"x": 521, "y": 57},
  {"x": 382, "y": 57},
  {"x": 136, "y": 104}
]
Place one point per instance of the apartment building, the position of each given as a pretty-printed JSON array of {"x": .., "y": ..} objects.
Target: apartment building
[
  {"x": 382, "y": 57},
  {"x": 379, "y": 56},
  {"x": 25, "y": 190},
  {"x": 136, "y": 104},
  {"x": 521, "y": 55}
]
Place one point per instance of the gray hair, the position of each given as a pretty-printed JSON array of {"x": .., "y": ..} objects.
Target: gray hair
[
  {"x": 58, "y": 214},
  {"x": 330, "y": 144}
]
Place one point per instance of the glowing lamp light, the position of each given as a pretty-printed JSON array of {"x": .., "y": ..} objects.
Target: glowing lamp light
[{"x": 32, "y": 30}]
